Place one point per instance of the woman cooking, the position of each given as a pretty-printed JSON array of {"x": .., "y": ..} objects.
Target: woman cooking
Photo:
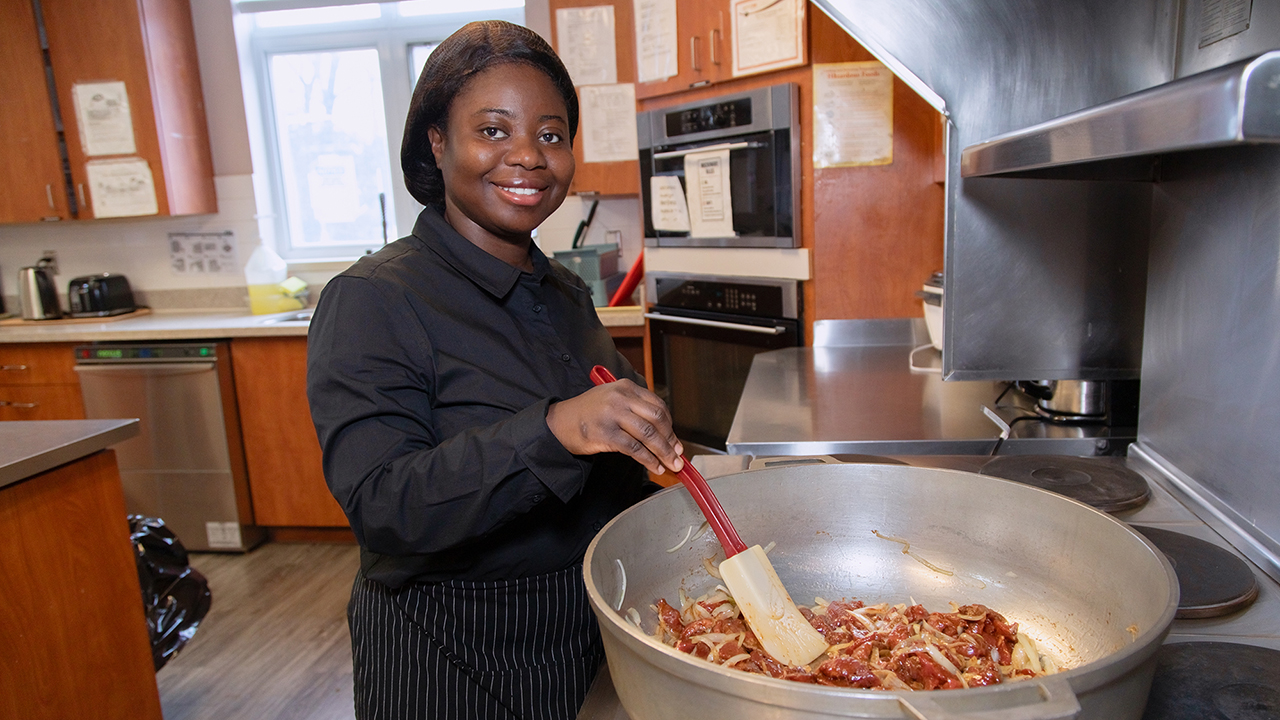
[{"x": 448, "y": 382}]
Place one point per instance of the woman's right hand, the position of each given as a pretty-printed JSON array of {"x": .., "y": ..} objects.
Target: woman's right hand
[{"x": 618, "y": 417}]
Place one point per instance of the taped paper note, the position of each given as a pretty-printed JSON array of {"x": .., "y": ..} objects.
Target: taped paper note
[
  {"x": 706, "y": 178},
  {"x": 656, "y": 40},
  {"x": 767, "y": 35},
  {"x": 852, "y": 114},
  {"x": 121, "y": 188},
  {"x": 609, "y": 123},
  {"x": 585, "y": 42},
  {"x": 102, "y": 114},
  {"x": 667, "y": 205}
]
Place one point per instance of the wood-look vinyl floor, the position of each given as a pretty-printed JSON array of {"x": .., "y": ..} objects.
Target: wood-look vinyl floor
[{"x": 275, "y": 642}]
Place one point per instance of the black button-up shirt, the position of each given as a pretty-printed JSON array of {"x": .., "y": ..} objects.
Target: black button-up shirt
[{"x": 430, "y": 368}]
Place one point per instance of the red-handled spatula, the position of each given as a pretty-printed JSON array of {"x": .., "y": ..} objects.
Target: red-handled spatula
[{"x": 747, "y": 572}]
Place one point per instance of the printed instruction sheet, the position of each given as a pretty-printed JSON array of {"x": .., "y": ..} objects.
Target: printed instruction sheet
[
  {"x": 706, "y": 177},
  {"x": 767, "y": 35},
  {"x": 852, "y": 114},
  {"x": 609, "y": 123},
  {"x": 102, "y": 114},
  {"x": 668, "y": 209},
  {"x": 208, "y": 253},
  {"x": 657, "y": 54},
  {"x": 585, "y": 42},
  {"x": 121, "y": 188}
]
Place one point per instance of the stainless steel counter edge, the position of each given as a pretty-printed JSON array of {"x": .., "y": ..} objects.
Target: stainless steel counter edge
[
  {"x": 196, "y": 325},
  {"x": 30, "y": 447}
]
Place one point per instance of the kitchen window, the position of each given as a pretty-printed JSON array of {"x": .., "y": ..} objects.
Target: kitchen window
[{"x": 329, "y": 87}]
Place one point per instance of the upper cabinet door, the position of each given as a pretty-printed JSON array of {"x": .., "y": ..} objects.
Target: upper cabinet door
[
  {"x": 34, "y": 187},
  {"x": 605, "y": 178},
  {"x": 149, "y": 46},
  {"x": 702, "y": 49}
]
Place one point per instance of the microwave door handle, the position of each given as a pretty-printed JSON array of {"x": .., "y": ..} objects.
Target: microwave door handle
[
  {"x": 704, "y": 148},
  {"x": 775, "y": 330}
]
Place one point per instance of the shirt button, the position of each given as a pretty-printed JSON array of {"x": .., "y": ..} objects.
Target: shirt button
[
  {"x": 597, "y": 525},
  {"x": 565, "y": 357},
  {"x": 537, "y": 308},
  {"x": 538, "y": 498}
]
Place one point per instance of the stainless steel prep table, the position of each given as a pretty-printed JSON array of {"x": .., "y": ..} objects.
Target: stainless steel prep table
[{"x": 868, "y": 400}]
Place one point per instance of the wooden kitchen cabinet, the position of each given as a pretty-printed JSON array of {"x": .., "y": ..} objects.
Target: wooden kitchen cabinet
[
  {"x": 703, "y": 44},
  {"x": 606, "y": 178},
  {"x": 286, "y": 479},
  {"x": 38, "y": 381},
  {"x": 31, "y": 171},
  {"x": 147, "y": 44}
]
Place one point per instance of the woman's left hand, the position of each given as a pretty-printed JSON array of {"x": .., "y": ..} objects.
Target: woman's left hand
[{"x": 618, "y": 417}]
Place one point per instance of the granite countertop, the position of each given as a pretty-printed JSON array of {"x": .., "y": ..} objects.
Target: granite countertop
[
  {"x": 196, "y": 324},
  {"x": 31, "y": 447}
]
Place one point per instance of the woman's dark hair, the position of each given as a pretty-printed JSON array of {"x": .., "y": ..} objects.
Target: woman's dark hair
[{"x": 475, "y": 48}]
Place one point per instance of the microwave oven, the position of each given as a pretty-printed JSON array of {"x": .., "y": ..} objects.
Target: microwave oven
[{"x": 760, "y": 130}]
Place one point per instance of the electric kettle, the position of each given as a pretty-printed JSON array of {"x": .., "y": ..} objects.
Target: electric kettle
[{"x": 36, "y": 293}]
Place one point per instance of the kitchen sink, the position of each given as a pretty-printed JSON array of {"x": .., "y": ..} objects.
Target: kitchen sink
[{"x": 299, "y": 316}]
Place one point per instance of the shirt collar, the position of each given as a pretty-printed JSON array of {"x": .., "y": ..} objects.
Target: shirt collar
[{"x": 495, "y": 276}]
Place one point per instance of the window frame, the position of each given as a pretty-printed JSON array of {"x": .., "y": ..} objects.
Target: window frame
[{"x": 391, "y": 35}]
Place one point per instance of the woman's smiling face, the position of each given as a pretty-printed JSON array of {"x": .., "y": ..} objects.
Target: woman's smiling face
[{"x": 505, "y": 156}]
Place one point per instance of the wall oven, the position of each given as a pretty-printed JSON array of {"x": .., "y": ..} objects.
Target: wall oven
[
  {"x": 704, "y": 331},
  {"x": 760, "y": 130}
]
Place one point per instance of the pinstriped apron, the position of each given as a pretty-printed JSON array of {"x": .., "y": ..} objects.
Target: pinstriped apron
[{"x": 524, "y": 649}]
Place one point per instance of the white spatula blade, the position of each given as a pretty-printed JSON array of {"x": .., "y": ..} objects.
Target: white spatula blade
[{"x": 768, "y": 609}]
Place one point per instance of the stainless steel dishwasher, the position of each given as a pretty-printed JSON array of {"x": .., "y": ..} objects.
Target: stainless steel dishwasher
[{"x": 187, "y": 465}]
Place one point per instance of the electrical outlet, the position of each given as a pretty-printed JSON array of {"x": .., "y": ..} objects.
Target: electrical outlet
[{"x": 49, "y": 259}]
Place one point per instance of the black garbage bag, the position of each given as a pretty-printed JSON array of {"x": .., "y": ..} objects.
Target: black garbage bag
[{"x": 175, "y": 595}]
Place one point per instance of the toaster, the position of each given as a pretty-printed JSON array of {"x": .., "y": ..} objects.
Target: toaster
[{"x": 100, "y": 296}]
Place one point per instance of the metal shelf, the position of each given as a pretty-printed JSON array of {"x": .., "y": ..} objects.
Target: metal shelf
[{"x": 1231, "y": 105}]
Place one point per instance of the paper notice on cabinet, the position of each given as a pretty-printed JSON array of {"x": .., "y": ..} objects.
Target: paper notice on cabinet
[
  {"x": 767, "y": 35},
  {"x": 852, "y": 114},
  {"x": 609, "y": 123},
  {"x": 121, "y": 188},
  {"x": 668, "y": 209},
  {"x": 102, "y": 114},
  {"x": 706, "y": 180},
  {"x": 586, "y": 45},
  {"x": 657, "y": 54}
]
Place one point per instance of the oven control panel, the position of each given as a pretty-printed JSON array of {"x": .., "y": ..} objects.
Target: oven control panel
[{"x": 737, "y": 298}]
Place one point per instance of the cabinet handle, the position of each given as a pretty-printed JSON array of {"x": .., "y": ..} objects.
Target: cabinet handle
[
  {"x": 6, "y": 403},
  {"x": 13, "y": 367},
  {"x": 715, "y": 46},
  {"x": 48, "y": 193},
  {"x": 693, "y": 53},
  {"x": 80, "y": 186}
]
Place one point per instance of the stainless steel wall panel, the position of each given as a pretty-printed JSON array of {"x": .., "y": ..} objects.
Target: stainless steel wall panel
[
  {"x": 1211, "y": 361},
  {"x": 1263, "y": 35},
  {"x": 997, "y": 66}
]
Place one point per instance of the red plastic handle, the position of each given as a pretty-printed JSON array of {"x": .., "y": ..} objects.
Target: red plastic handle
[{"x": 697, "y": 487}]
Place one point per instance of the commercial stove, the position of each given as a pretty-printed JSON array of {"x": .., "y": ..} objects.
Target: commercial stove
[{"x": 1221, "y": 660}]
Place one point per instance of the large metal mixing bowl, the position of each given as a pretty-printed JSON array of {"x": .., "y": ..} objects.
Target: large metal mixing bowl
[{"x": 1090, "y": 591}]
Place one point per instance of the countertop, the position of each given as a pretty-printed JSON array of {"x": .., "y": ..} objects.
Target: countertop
[
  {"x": 31, "y": 447},
  {"x": 194, "y": 325},
  {"x": 868, "y": 400}
]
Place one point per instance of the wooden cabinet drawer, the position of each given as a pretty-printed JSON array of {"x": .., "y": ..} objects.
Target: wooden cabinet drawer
[
  {"x": 38, "y": 364},
  {"x": 41, "y": 402}
]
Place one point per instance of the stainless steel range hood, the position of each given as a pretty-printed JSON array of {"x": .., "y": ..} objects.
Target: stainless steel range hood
[{"x": 1235, "y": 104}]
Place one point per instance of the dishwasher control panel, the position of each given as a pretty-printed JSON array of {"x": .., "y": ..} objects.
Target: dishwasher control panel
[{"x": 126, "y": 352}]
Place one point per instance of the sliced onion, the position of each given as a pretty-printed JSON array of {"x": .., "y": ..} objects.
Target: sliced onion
[
  {"x": 736, "y": 659},
  {"x": 702, "y": 529},
  {"x": 945, "y": 662},
  {"x": 680, "y": 544},
  {"x": 772, "y": 544},
  {"x": 634, "y": 616},
  {"x": 712, "y": 570}
]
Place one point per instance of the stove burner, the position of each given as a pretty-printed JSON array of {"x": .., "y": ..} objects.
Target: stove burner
[
  {"x": 1213, "y": 581},
  {"x": 1215, "y": 681},
  {"x": 1104, "y": 483}
]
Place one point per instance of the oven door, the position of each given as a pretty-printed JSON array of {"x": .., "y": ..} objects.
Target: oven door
[{"x": 700, "y": 365}]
